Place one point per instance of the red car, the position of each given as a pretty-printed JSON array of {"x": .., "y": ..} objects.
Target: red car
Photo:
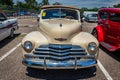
[{"x": 108, "y": 29}]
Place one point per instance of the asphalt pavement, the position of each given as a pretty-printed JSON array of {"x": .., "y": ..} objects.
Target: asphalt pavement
[{"x": 11, "y": 67}]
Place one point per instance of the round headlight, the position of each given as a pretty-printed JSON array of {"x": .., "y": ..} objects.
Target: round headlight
[
  {"x": 28, "y": 45},
  {"x": 92, "y": 47}
]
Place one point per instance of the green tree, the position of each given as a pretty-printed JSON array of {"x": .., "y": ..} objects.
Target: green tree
[
  {"x": 6, "y": 2},
  {"x": 31, "y": 3},
  {"x": 44, "y": 2},
  {"x": 84, "y": 9},
  {"x": 56, "y": 3},
  {"x": 28, "y": 4},
  {"x": 117, "y": 6},
  {"x": 19, "y": 4},
  {"x": 94, "y": 9}
]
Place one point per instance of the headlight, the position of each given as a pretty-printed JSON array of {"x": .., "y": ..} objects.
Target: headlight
[
  {"x": 92, "y": 47},
  {"x": 28, "y": 46}
]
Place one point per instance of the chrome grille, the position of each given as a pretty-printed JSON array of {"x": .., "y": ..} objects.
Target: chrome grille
[{"x": 59, "y": 52}]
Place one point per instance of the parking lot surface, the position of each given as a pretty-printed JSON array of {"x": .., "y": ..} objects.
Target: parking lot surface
[{"x": 11, "y": 67}]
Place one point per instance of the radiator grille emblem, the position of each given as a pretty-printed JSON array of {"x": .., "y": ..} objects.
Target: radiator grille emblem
[{"x": 61, "y": 39}]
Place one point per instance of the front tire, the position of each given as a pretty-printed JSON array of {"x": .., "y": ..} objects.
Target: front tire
[
  {"x": 95, "y": 33},
  {"x": 12, "y": 33}
]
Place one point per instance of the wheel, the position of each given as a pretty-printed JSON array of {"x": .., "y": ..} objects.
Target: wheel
[
  {"x": 95, "y": 33},
  {"x": 12, "y": 33}
]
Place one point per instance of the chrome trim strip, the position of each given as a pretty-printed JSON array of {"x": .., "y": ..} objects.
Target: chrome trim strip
[
  {"x": 45, "y": 67},
  {"x": 54, "y": 57},
  {"x": 75, "y": 63}
]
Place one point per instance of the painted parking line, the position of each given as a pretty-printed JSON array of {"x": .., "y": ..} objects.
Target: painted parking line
[
  {"x": 9, "y": 52},
  {"x": 107, "y": 75}
]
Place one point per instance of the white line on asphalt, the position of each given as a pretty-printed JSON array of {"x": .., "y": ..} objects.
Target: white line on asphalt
[
  {"x": 104, "y": 71},
  {"x": 9, "y": 52}
]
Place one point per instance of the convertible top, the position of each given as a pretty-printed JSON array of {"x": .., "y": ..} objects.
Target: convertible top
[{"x": 58, "y": 6}]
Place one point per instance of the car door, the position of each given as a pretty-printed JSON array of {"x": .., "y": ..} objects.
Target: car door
[
  {"x": 114, "y": 28},
  {"x": 3, "y": 27},
  {"x": 2, "y": 30},
  {"x": 103, "y": 22}
]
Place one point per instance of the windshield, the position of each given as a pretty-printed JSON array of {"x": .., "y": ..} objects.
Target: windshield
[
  {"x": 2, "y": 17},
  {"x": 59, "y": 13},
  {"x": 92, "y": 15}
]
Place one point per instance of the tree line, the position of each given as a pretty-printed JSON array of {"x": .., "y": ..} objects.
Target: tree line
[
  {"x": 29, "y": 4},
  {"x": 33, "y": 4}
]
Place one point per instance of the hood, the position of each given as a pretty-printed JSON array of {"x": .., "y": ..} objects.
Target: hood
[{"x": 60, "y": 29}]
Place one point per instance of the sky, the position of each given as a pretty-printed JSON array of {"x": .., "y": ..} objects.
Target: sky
[{"x": 84, "y": 3}]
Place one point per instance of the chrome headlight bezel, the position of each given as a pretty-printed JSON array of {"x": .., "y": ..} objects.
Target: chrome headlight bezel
[
  {"x": 92, "y": 48},
  {"x": 28, "y": 46}
]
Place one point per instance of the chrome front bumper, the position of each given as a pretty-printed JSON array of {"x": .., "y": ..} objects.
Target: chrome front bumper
[{"x": 35, "y": 61}]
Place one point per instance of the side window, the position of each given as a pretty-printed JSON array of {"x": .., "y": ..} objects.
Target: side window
[
  {"x": 2, "y": 17},
  {"x": 104, "y": 15},
  {"x": 115, "y": 17}
]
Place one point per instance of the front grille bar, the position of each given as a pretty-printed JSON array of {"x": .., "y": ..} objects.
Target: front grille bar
[
  {"x": 59, "y": 54},
  {"x": 59, "y": 51},
  {"x": 58, "y": 58}
]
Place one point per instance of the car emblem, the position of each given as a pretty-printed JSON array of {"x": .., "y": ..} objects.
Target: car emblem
[{"x": 60, "y": 39}]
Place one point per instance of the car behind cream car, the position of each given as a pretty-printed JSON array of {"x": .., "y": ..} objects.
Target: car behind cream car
[
  {"x": 59, "y": 43},
  {"x": 7, "y": 26}
]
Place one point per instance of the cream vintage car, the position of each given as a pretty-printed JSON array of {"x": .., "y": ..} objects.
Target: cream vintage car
[{"x": 59, "y": 43}]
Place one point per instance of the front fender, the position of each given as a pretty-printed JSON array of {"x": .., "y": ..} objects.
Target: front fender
[
  {"x": 100, "y": 33},
  {"x": 83, "y": 39},
  {"x": 36, "y": 38}
]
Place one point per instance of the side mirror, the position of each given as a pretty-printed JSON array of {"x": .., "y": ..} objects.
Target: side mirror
[{"x": 81, "y": 20}]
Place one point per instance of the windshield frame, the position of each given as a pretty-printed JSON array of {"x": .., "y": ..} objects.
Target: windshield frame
[{"x": 60, "y": 17}]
